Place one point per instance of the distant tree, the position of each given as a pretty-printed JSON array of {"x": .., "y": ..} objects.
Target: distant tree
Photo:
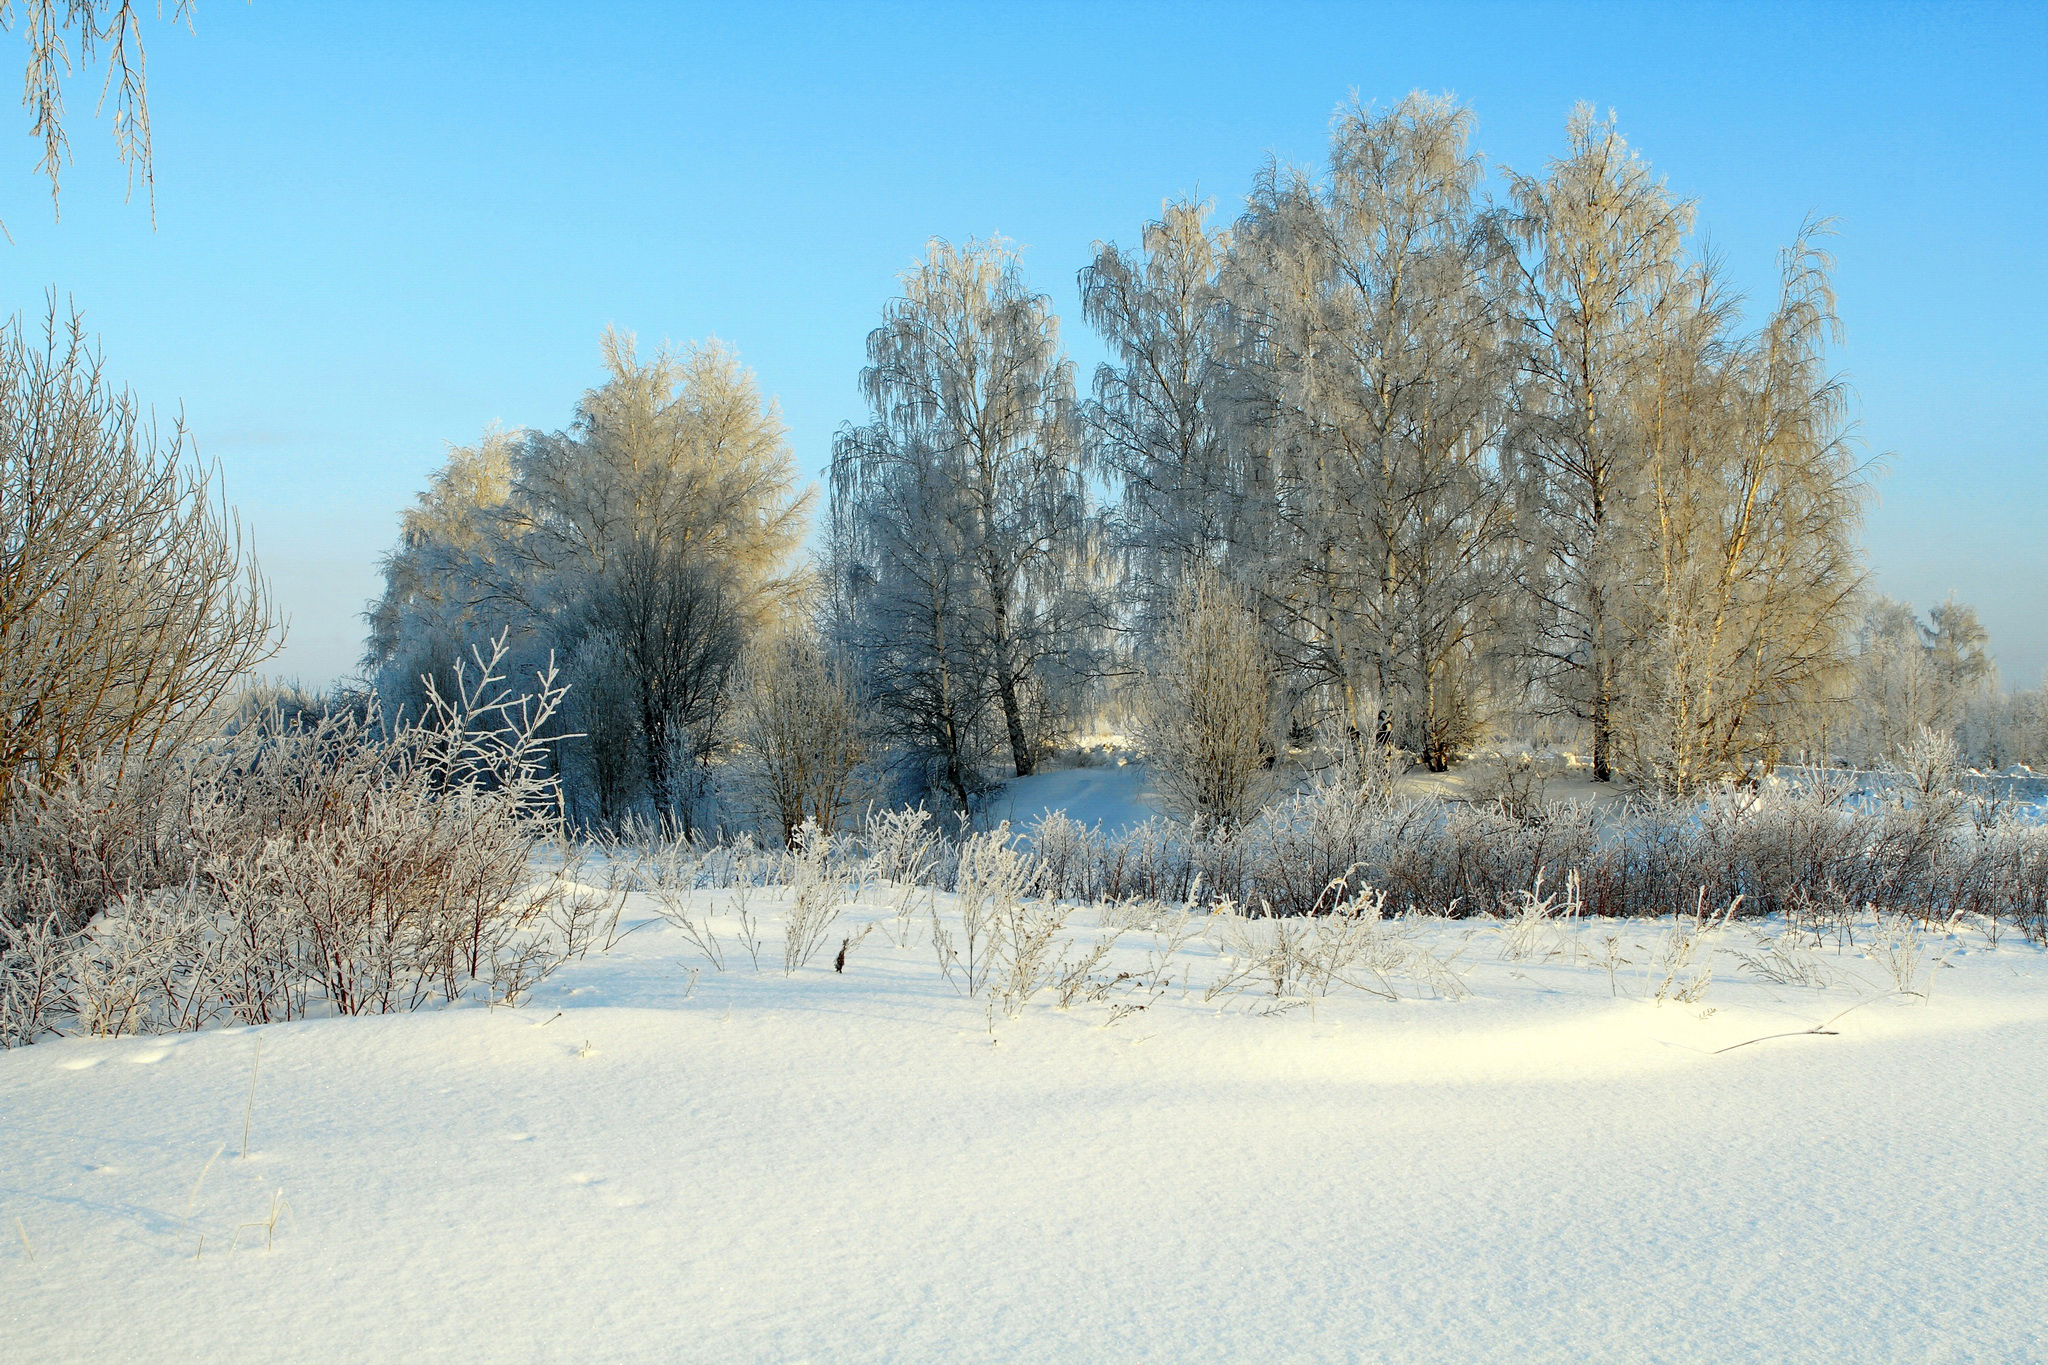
[
  {"x": 1958, "y": 657},
  {"x": 645, "y": 545},
  {"x": 129, "y": 606},
  {"x": 1208, "y": 714},
  {"x": 799, "y": 742},
  {"x": 1892, "y": 693},
  {"x": 1910, "y": 676}
]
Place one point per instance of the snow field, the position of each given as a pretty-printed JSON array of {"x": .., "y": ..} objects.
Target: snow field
[{"x": 655, "y": 1160}]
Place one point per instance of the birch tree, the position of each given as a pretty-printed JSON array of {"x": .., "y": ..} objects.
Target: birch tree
[
  {"x": 64, "y": 35},
  {"x": 1164, "y": 420},
  {"x": 661, "y": 522},
  {"x": 1957, "y": 654},
  {"x": 901, "y": 602},
  {"x": 1601, "y": 275},
  {"x": 1753, "y": 498},
  {"x": 1371, "y": 298},
  {"x": 962, "y": 506}
]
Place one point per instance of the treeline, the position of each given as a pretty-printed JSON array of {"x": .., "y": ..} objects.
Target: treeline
[
  {"x": 1402, "y": 459},
  {"x": 1464, "y": 459}
]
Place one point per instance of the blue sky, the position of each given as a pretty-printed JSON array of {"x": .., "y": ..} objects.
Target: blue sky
[{"x": 382, "y": 226}]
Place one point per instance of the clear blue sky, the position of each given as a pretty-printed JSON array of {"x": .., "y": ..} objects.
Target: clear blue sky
[{"x": 383, "y": 226}]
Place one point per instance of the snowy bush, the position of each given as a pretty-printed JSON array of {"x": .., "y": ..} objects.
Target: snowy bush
[
  {"x": 1814, "y": 846},
  {"x": 326, "y": 863}
]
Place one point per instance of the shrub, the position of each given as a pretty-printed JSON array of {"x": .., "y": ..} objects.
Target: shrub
[{"x": 326, "y": 863}]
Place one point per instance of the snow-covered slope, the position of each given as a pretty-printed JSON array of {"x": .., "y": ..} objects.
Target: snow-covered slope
[
  {"x": 1114, "y": 796},
  {"x": 869, "y": 1167}
]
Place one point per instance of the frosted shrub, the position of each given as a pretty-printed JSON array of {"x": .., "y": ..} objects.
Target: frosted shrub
[
  {"x": 1155, "y": 860},
  {"x": 1069, "y": 856},
  {"x": 1306, "y": 957},
  {"x": 1901, "y": 950},
  {"x": 818, "y": 893},
  {"x": 1812, "y": 848},
  {"x": 328, "y": 863},
  {"x": 1536, "y": 924},
  {"x": 901, "y": 844},
  {"x": 992, "y": 880}
]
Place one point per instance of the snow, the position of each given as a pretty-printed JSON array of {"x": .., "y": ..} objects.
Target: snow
[
  {"x": 1116, "y": 796},
  {"x": 656, "y": 1161}
]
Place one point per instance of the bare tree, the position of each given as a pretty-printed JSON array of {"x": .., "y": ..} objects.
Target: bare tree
[
  {"x": 129, "y": 605},
  {"x": 799, "y": 736},
  {"x": 973, "y": 459},
  {"x": 1208, "y": 713},
  {"x": 1603, "y": 272}
]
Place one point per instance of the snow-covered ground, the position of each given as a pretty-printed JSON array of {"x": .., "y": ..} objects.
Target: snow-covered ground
[
  {"x": 654, "y": 1160},
  {"x": 1115, "y": 795}
]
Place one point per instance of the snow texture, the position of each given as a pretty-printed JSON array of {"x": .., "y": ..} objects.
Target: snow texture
[
  {"x": 1116, "y": 796},
  {"x": 642, "y": 1165}
]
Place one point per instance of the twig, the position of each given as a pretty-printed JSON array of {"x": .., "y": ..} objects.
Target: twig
[
  {"x": 192, "y": 1200},
  {"x": 250, "y": 1111},
  {"x": 22, "y": 1228},
  {"x": 614, "y": 940},
  {"x": 1815, "y": 1032},
  {"x": 278, "y": 1205},
  {"x": 1820, "y": 1030}
]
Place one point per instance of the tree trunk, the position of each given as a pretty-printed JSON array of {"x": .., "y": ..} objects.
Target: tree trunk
[
  {"x": 1013, "y": 716},
  {"x": 1603, "y": 726}
]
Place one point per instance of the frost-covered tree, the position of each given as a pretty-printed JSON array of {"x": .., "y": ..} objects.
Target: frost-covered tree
[
  {"x": 643, "y": 545},
  {"x": 1461, "y": 457},
  {"x": 960, "y": 511},
  {"x": 427, "y": 616},
  {"x": 1208, "y": 713},
  {"x": 1749, "y": 512},
  {"x": 1369, "y": 302},
  {"x": 2003, "y": 728},
  {"x": 1604, "y": 278},
  {"x": 1195, "y": 494},
  {"x": 900, "y": 606}
]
